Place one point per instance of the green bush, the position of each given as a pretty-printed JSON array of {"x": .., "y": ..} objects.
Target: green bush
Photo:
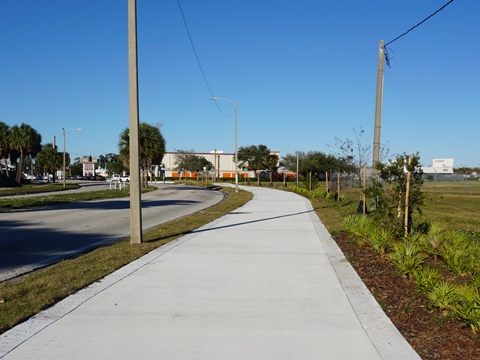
[
  {"x": 427, "y": 278},
  {"x": 407, "y": 254},
  {"x": 382, "y": 239},
  {"x": 459, "y": 253},
  {"x": 443, "y": 297},
  {"x": 360, "y": 226}
]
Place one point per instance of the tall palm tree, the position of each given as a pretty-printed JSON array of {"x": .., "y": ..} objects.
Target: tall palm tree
[
  {"x": 4, "y": 145},
  {"x": 49, "y": 158},
  {"x": 26, "y": 141},
  {"x": 152, "y": 148}
]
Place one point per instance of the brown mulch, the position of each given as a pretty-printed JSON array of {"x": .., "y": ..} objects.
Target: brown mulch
[{"x": 430, "y": 334}]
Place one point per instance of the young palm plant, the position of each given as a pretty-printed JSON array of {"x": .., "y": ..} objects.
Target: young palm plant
[
  {"x": 360, "y": 226},
  {"x": 427, "y": 278},
  {"x": 408, "y": 255},
  {"x": 443, "y": 297},
  {"x": 382, "y": 239}
]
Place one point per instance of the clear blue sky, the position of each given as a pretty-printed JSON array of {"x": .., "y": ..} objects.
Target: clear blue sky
[{"x": 302, "y": 73}]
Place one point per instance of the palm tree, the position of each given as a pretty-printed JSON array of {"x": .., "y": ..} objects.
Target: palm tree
[
  {"x": 4, "y": 145},
  {"x": 25, "y": 140},
  {"x": 152, "y": 148},
  {"x": 49, "y": 158}
]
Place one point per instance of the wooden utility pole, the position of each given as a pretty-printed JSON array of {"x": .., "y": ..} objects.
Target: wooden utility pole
[
  {"x": 378, "y": 110},
  {"x": 135, "y": 185}
]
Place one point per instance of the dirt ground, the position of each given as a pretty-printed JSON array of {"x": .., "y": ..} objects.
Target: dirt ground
[{"x": 431, "y": 335}]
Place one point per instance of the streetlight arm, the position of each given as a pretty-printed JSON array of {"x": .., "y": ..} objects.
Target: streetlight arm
[{"x": 216, "y": 98}]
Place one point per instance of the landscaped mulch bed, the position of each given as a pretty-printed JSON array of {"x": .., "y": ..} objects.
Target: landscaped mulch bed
[{"x": 431, "y": 334}]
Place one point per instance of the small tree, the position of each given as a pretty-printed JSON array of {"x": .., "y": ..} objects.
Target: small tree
[
  {"x": 186, "y": 160},
  {"x": 355, "y": 152},
  {"x": 272, "y": 166},
  {"x": 388, "y": 192},
  {"x": 255, "y": 158},
  {"x": 314, "y": 164}
]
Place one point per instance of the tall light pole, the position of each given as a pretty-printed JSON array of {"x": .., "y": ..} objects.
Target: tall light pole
[
  {"x": 236, "y": 137},
  {"x": 64, "y": 152}
]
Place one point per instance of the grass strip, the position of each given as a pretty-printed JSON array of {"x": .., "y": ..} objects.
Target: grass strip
[
  {"x": 27, "y": 202},
  {"x": 25, "y": 297},
  {"x": 37, "y": 188}
]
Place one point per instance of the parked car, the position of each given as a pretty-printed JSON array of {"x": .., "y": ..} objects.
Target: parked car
[{"x": 125, "y": 178}]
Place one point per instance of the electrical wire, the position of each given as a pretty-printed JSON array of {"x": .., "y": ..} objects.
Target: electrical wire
[
  {"x": 420, "y": 23},
  {"x": 198, "y": 60},
  {"x": 388, "y": 56}
]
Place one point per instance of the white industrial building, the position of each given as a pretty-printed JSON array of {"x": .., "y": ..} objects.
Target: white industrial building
[{"x": 223, "y": 163}]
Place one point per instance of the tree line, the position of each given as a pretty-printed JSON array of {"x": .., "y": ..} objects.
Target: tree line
[
  {"x": 16, "y": 144},
  {"x": 21, "y": 145}
]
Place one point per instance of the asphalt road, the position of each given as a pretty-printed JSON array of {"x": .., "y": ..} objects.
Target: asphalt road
[{"x": 32, "y": 238}]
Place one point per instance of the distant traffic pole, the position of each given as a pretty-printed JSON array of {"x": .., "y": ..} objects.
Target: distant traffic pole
[
  {"x": 64, "y": 154},
  {"x": 378, "y": 110},
  {"x": 135, "y": 190}
]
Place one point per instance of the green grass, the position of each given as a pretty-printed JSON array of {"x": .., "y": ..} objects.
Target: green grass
[
  {"x": 457, "y": 204},
  {"x": 20, "y": 299},
  {"x": 36, "y": 188},
  {"x": 26, "y": 202}
]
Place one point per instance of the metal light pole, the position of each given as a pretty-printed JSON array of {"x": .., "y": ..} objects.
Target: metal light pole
[
  {"x": 236, "y": 137},
  {"x": 64, "y": 152}
]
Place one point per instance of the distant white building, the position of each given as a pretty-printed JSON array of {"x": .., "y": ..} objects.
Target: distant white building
[{"x": 224, "y": 166}]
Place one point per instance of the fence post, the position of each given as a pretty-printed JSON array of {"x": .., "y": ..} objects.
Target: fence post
[
  {"x": 364, "y": 210},
  {"x": 407, "y": 194},
  {"x": 338, "y": 185}
]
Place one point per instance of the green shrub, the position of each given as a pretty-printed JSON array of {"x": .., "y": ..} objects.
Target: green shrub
[
  {"x": 459, "y": 253},
  {"x": 427, "y": 278},
  {"x": 434, "y": 239},
  {"x": 382, "y": 239},
  {"x": 475, "y": 281},
  {"x": 360, "y": 226},
  {"x": 468, "y": 305},
  {"x": 318, "y": 193},
  {"x": 407, "y": 254},
  {"x": 443, "y": 297}
]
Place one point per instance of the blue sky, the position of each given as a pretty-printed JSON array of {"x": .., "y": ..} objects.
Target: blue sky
[{"x": 302, "y": 73}]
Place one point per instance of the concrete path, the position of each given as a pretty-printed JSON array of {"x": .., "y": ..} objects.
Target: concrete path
[{"x": 263, "y": 282}]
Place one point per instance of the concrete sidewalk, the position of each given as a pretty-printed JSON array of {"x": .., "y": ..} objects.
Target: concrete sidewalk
[{"x": 263, "y": 282}]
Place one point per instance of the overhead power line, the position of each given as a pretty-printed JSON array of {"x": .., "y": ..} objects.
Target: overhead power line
[
  {"x": 420, "y": 23},
  {"x": 198, "y": 59}
]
